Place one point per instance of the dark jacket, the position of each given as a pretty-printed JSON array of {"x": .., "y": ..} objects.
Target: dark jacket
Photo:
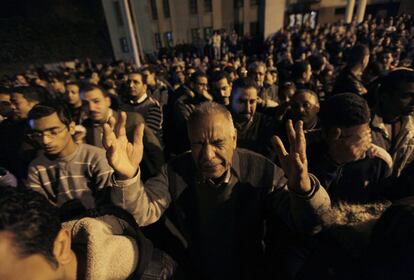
[
  {"x": 348, "y": 82},
  {"x": 224, "y": 226},
  {"x": 356, "y": 182}
]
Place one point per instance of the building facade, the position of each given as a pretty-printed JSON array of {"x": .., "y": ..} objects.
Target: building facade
[{"x": 160, "y": 24}]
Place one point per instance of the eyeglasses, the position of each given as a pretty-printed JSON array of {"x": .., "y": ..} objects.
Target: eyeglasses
[{"x": 51, "y": 133}]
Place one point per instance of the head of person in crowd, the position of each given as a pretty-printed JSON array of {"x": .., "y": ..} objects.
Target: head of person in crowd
[
  {"x": 198, "y": 83},
  {"x": 286, "y": 91},
  {"x": 52, "y": 127},
  {"x": 395, "y": 95},
  {"x": 318, "y": 63},
  {"x": 5, "y": 103},
  {"x": 33, "y": 244},
  {"x": 213, "y": 140},
  {"x": 305, "y": 107},
  {"x": 301, "y": 72},
  {"x": 20, "y": 80},
  {"x": 345, "y": 119},
  {"x": 244, "y": 99},
  {"x": 257, "y": 71},
  {"x": 23, "y": 99},
  {"x": 177, "y": 75},
  {"x": 242, "y": 72},
  {"x": 72, "y": 94},
  {"x": 57, "y": 81},
  {"x": 271, "y": 76},
  {"x": 358, "y": 58},
  {"x": 221, "y": 87},
  {"x": 99, "y": 103},
  {"x": 92, "y": 77},
  {"x": 150, "y": 76},
  {"x": 136, "y": 86},
  {"x": 386, "y": 59},
  {"x": 232, "y": 73}
]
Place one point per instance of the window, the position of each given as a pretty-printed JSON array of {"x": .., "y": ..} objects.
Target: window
[
  {"x": 339, "y": 11},
  {"x": 193, "y": 6},
  {"x": 154, "y": 9},
  {"x": 166, "y": 8},
  {"x": 158, "y": 44},
  {"x": 195, "y": 35},
  {"x": 238, "y": 27},
  {"x": 118, "y": 14},
  {"x": 208, "y": 6},
  {"x": 208, "y": 32},
  {"x": 238, "y": 3},
  {"x": 169, "y": 39},
  {"x": 254, "y": 28}
]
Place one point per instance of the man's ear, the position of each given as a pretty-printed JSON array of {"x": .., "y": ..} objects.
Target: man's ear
[
  {"x": 72, "y": 126},
  {"x": 62, "y": 247},
  {"x": 234, "y": 138},
  {"x": 333, "y": 133}
]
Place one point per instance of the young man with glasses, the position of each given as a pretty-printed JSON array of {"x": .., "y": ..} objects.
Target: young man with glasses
[{"x": 65, "y": 170}]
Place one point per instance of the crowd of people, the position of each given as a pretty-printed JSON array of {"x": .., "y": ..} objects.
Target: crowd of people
[{"x": 292, "y": 162}]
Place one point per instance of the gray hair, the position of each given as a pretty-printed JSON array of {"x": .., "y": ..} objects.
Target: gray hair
[
  {"x": 254, "y": 65},
  {"x": 207, "y": 109}
]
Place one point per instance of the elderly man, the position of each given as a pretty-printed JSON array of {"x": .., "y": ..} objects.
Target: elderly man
[{"x": 219, "y": 197}]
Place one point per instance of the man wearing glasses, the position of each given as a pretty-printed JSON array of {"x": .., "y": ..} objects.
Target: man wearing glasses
[{"x": 65, "y": 170}]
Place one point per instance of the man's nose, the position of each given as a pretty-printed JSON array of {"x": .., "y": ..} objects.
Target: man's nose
[{"x": 208, "y": 152}]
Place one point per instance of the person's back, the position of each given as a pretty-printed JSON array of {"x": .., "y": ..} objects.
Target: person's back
[{"x": 349, "y": 166}]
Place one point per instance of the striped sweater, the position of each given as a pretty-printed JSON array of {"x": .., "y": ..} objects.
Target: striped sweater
[
  {"x": 77, "y": 176},
  {"x": 151, "y": 110}
]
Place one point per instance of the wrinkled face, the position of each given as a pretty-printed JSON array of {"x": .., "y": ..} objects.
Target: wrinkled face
[
  {"x": 21, "y": 80},
  {"x": 201, "y": 85},
  {"x": 98, "y": 105},
  {"x": 72, "y": 95},
  {"x": 243, "y": 105},
  {"x": 136, "y": 86},
  {"x": 222, "y": 91},
  {"x": 213, "y": 141},
  {"x": 14, "y": 266},
  {"x": 305, "y": 107},
  {"x": 399, "y": 103},
  {"x": 259, "y": 75},
  {"x": 20, "y": 105},
  {"x": 53, "y": 135}
]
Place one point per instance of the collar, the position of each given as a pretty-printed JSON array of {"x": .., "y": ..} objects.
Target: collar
[
  {"x": 234, "y": 170},
  {"x": 140, "y": 100},
  {"x": 377, "y": 122}
]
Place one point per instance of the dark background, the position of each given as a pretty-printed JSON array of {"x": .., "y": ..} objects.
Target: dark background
[{"x": 48, "y": 31}]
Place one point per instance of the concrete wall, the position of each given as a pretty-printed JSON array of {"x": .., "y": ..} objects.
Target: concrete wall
[
  {"x": 274, "y": 14},
  {"x": 117, "y": 32}
]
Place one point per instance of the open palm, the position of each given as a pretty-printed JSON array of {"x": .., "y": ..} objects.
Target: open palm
[
  {"x": 124, "y": 157},
  {"x": 294, "y": 163}
]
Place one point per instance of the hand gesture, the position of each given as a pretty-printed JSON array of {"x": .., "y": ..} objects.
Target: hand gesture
[
  {"x": 294, "y": 163},
  {"x": 123, "y": 157}
]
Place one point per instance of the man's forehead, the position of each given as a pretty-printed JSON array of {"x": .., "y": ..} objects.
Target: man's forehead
[
  {"x": 94, "y": 93},
  {"x": 247, "y": 93},
  {"x": 135, "y": 77}
]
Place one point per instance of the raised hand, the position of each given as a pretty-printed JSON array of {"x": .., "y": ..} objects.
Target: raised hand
[
  {"x": 294, "y": 163},
  {"x": 124, "y": 157}
]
